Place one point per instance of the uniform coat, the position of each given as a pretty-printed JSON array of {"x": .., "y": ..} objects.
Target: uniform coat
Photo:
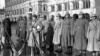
[
  {"x": 7, "y": 31},
  {"x": 44, "y": 31},
  {"x": 33, "y": 36},
  {"x": 57, "y": 32},
  {"x": 50, "y": 33},
  {"x": 72, "y": 23},
  {"x": 40, "y": 27},
  {"x": 65, "y": 34},
  {"x": 93, "y": 36},
  {"x": 79, "y": 35},
  {"x": 23, "y": 27}
]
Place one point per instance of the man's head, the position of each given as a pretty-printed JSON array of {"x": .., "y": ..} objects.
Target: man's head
[
  {"x": 94, "y": 16},
  {"x": 81, "y": 15},
  {"x": 58, "y": 16},
  {"x": 52, "y": 17},
  {"x": 45, "y": 18},
  {"x": 34, "y": 17},
  {"x": 67, "y": 15}
]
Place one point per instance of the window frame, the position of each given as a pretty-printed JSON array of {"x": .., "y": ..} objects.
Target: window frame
[
  {"x": 67, "y": 6},
  {"x": 59, "y": 7},
  {"x": 86, "y": 4}
]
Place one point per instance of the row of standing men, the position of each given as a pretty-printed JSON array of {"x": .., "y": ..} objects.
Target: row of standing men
[{"x": 77, "y": 32}]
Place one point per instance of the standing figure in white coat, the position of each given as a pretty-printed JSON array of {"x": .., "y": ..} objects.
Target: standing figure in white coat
[
  {"x": 57, "y": 34},
  {"x": 93, "y": 35}
]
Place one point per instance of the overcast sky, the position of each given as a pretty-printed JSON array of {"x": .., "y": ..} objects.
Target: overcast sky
[{"x": 2, "y": 3}]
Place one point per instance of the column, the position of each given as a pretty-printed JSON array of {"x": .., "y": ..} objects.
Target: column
[
  {"x": 71, "y": 5},
  {"x": 49, "y": 8},
  {"x": 92, "y": 3},
  {"x": 80, "y": 4},
  {"x": 56, "y": 7},
  {"x": 63, "y": 6}
]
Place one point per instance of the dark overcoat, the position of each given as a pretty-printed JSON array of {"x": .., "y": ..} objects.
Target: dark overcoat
[
  {"x": 79, "y": 34},
  {"x": 7, "y": 32},
  {"x": 50, "y": 33},
  {"x": 23, "y": 26},
  {"x": 7, "y": 28},
  {"x": 72, "y": 23},
  {"x": 65, "y": 34}
]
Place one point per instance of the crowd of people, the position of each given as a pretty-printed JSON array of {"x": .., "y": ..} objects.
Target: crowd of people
[{"x": 60, "y": 34}]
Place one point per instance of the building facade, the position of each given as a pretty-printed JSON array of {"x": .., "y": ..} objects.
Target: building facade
[
  {"x": 16, "y": 8},
  {"x": 2, "y": 14},
  {"x": 40, "y": 7},
  {"x": 72, "y": 6}
]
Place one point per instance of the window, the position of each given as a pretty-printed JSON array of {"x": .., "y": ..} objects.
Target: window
[
  {"x": 86, "y": 4},
  {"x": 15, "y": 12},
  {"x": 44, "y": 8},
  {"x": 20, "y": 11},
  {"x": 12, "y": 12},
  {"x": 23, "y": 10},
  {"x": 75, "y": 5},
  {"x": 67, "y": 6},
  {"x": 52, "y": 8},
  {"x": 9, "y": 13},
  {"x": 59, "y": 7}
]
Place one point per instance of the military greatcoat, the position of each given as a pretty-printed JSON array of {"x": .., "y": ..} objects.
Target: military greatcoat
[{"x": 80, "y": 29}]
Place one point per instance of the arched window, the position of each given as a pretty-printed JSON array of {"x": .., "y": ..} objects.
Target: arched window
[
  {"x": 75, "y": 5},
  {"x": 86, "y": 4},
  {"x": 59, "y": 7},
  {"x": 30, "y": 9},
  {"x": 52, "y": 8},
  {"x": 67, "y": 6},
  {"x": 44, "y": 7}
]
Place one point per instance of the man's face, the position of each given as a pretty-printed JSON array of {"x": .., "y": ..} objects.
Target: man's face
[
  {"x": 57, "y": 17},
  {"x": 92, "y": 18},
  {"x": 67, "y": 16},
  {"x": 33, "y": 18},
  {"x": 80, "y": 16}
]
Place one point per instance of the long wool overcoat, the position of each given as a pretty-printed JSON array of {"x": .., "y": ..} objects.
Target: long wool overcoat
[
  {"x": 65, "y": 34},
  {"x": 80, "y": 29},
  {"x": 93, "y": 34},
  {"x": 57, "y": 33},
  {"x": 22, "y": 25},
  {"x": 50, "y": 33},
  {"x": 72, "y": 23}
]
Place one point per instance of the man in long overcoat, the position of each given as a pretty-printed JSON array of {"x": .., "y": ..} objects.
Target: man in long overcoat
[
  {"x": 22, "y": 25},
  {"x": 80, "y": 29},
  {"x": 44, "y": 31},
  {"x": 50, "y": 33},
  {"x": 7, "y": 34},
  {"x": 72, "y": 23},
  {"x": 65, "y": 33}
]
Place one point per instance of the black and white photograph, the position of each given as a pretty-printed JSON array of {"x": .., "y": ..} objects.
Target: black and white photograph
[{"x": 49, "y": 27}]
